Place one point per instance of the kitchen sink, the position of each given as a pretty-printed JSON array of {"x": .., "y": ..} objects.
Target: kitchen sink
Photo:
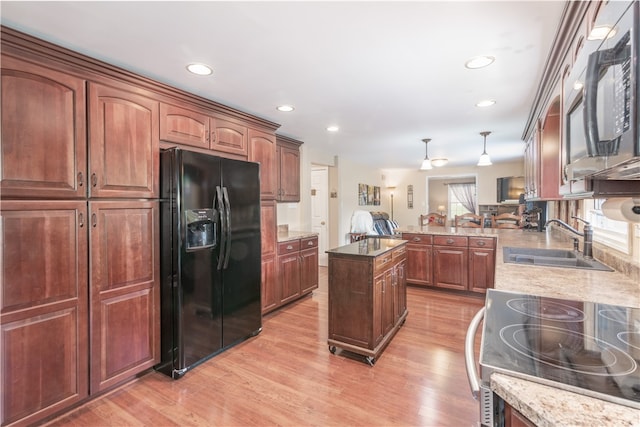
[{"x": 551, "y": 258}]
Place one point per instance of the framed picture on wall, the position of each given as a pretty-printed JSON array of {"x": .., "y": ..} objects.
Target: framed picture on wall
[
  {"x": 376, "y": 196},
  {"x": 362, "y": 194},
  {"x": 410, "y": 196}
]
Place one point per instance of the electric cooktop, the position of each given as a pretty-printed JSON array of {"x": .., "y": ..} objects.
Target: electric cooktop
[{"x": 586, "y": 347}]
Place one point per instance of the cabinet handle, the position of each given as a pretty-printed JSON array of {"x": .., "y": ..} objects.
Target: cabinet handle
[
  {"x": 310, "y": 243},
  {"x": 417, "y": 239},
  {"x": 449, "y": 241},
  {"x": 94, "y": 220},
  {"x": 94, "y": 180},
  {"x": 213, "y": 136},
  {"x": 81, "y": 220},
  {"x": 80, "y": 179},
  {"x": 481, "y": 243},
  {"x": 289, "y": 247}
]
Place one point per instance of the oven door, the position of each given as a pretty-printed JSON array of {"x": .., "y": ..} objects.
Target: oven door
[{"x": 480, "y": 389}]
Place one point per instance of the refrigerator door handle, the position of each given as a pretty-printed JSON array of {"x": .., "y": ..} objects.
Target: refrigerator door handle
[
  {"x": 223, "y": 227},
  {"x": 227, "y": 212}
]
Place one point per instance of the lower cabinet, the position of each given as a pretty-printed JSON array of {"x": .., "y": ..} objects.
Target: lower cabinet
[
  {"x": 367, "y": 300},
  {"x": 80, "y": 305},
  {"x": 125, "y": 290},
  {"x": 465, "y": 263},
  {"x": 296, "y": 273}
]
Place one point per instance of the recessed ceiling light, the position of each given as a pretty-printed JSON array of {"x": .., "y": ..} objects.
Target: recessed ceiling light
[
  {"x": 479, "y": 62},
  {"x": 200, "y": 69},
  {"x": 285, "y": 108},
  {"x": 333, "y": 128},
  {"x": 486, "y": 103}
]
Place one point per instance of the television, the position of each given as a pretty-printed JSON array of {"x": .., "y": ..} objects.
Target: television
[{"x": 510, "y": 188}]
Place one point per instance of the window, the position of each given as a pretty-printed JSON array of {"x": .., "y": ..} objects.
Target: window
[
  {"x": 455, "y": 205},
  {"x": 614, "y": 234}
]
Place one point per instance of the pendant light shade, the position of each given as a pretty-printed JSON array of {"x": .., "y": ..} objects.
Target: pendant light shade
[
  {"x": 426, "y": 163},
  {"x": 485, "y": 160}
]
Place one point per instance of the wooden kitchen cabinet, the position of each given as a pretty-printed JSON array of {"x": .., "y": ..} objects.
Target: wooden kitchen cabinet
[
  {"x": 44, "y": 143},
  {"x": 262, "y": 149},
  {"x": 289, "y": 169},
  {"x": 125, "y": 290},
  {"x": 450, "y": 262},
  {"x": 296, "y": 273},
  {"x": 419, "y": 263},
  {"x": 269, "y": 290},
  {"x": 482, "y": 263},
  {"x": 124, "y": 154},
  {"x": 44, "y": 311},
  {"x": 367, "y": 295}
]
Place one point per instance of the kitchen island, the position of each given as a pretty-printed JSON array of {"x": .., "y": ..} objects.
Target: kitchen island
[
  {"x": 542, "y": 404},
  {"x": 367, "y": 295}
]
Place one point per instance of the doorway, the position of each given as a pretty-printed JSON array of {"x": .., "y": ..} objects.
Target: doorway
[{"x": 320, "y": 209}]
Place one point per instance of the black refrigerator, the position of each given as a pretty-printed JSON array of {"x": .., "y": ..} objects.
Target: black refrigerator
[{"x": 210, "y": 256}]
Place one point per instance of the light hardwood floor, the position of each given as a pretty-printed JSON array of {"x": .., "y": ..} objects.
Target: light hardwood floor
[{"x": 286, "y": 376}]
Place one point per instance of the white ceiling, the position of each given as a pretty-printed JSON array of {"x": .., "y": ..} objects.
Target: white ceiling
[{"x": 388, "y": 73}]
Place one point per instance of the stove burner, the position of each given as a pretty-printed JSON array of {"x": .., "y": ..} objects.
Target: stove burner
[
  {"x": 548, "y": 310},
  {"x": 564, "y": 349},
  {"x": 632, "y": 339}
]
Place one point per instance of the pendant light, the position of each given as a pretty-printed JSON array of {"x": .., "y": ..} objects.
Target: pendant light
[
  {"x": 484, "y": 158},
  {"x": 426, "y": 163}
]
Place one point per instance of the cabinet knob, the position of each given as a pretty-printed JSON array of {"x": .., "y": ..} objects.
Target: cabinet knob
[
  {"x": 80, "y": 179},
  {"x": 81, "y": 220},
  {"x": 310, "y": 243},
  {"x": 94, "y": 180},
  {"x": 289, "y": 247}
]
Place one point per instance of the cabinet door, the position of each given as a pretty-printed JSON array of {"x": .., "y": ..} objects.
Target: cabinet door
[
  {"x": 309, "y": 268},
  {"x": 43, "y": 325},
  {"x": 419, "y": 264},
  {"x": 125, "y": 298},
  {"x": 270, "y": 294},
  {"x": 262, "y": 149},
  {"x": 43, "y": 143},
  {"x": 289, "y": 174},
  {"x": 228, "y": 137},
  {"x": 400, "y": 296},
  {"x": 268, "y": 228},
  {"x": 124, "y": 157},
  {"x": 450, "y": 267},
  {"x": 289, "y": 275},
  {"x": 481, "y": 269},
  {"x": 388, "y": 295},
  {"x": 378, "y": 310},
  {"x": 184, "y": 126}
]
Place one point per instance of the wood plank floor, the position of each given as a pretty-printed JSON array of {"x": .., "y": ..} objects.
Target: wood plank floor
[{"x": 286, "y": 376}]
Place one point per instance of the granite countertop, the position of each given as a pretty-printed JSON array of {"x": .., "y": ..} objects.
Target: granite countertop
[
  {"x": 546, "y": 405},
  {"x": 447, "y": 231},
  {"x": 286, "y": 236},
  {"x": 369, "y": 247}
]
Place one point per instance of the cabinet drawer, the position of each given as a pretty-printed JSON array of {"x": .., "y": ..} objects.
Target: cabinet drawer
[
  {"x": 308, "y": 243},
  {"x": 399, "y": 253},
  {"x": 418, "y": 239},
  {"x": 288, "y": 247},
  {"x": 482, "y": 242},
  {"x": 450, "y": 241},
  {"x": 383, "y": 261}
]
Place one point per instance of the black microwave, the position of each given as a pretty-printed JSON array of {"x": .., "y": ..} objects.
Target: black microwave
[{"x": 600, "y": 103}]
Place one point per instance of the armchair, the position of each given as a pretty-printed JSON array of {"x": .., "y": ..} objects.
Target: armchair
[
  {"x": 506, "y": 220},
  {"x": 469, "y": 220}
]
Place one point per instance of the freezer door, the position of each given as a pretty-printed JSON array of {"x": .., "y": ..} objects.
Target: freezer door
[{"x": 242, "y": 264}]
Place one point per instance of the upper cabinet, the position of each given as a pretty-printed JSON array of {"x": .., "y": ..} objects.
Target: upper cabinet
[
  {"x": 204, "y": 129},
  {"x": 124, "y": 156},
  {"x": 289, "y": 167},
  {"x": 43, "y": 148},
  {"x": 262, "y": 149}
]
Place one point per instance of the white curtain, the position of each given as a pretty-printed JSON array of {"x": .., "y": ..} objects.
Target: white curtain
[{"x": 466, "y": 194}]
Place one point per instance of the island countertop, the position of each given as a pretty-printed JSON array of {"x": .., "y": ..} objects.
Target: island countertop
[
  {"x": 369, "y": 247},
  {"x": 286, "y": 236}
]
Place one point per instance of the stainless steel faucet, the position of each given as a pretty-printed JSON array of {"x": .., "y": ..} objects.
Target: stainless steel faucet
[{"x": 587, "y": 234}]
